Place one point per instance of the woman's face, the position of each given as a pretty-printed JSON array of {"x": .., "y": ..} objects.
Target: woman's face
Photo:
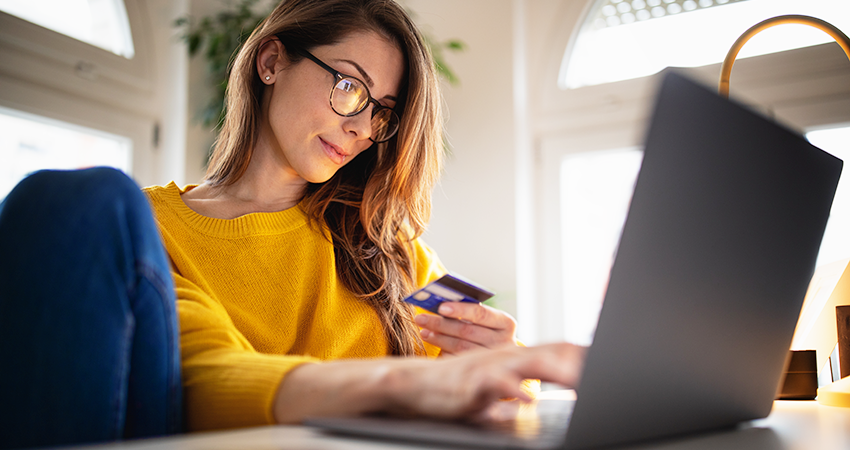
[{"x": 305, "y": 134}]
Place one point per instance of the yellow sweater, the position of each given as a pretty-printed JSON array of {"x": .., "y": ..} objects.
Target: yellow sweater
[{"x": 257, "y": 296}]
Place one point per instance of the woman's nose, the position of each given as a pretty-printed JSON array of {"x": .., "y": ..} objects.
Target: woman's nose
[{"x": 360, "y": 124}]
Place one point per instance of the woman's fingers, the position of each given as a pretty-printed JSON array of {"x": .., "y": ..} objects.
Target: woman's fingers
[
  {"x": 478, "y": 314},
  {"x": 467, "y": 326},
  {"x": 473, "y": 381},
  {"x": 560, "y": 363},
  {"x": 486, "y": 337},
  {"x": 467, "y": 385},
  {"x": 448, "y": 344}
]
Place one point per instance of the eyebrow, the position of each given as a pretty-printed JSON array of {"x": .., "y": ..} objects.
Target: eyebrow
[
  {"x": 363, "y": 73},
  {"x": 367, "y": 78}
]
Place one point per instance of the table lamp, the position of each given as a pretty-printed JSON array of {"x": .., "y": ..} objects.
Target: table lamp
[{"x": 823, "y": 313}]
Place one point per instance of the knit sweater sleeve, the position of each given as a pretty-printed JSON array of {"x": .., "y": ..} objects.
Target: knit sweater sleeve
[{"x": 227, "y": 383}]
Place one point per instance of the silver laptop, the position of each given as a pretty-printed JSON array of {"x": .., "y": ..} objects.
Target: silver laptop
[{"x": 713, "y": 263}]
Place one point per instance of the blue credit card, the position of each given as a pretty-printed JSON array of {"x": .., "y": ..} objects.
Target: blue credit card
[{"x": 448, "y": 288}]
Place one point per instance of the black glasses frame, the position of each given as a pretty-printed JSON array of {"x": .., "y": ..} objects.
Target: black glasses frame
[{"x": 338, "y": 76}]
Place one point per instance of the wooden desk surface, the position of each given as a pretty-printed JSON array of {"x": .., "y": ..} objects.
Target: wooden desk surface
[{"x": 792, "y": 425}]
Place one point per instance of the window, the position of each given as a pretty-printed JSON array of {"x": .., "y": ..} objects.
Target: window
[
  {"x": 836, "y": 240},
  {"x": 102, "y": 23},
  {"x": 50, "y": 75},
  {"x": 596, "y": 188},
  {"x": 625, "y": 39},
  {"x": 29, "y": 143}
]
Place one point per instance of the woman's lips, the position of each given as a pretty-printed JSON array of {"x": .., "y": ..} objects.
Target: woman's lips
[{"x": 336, "y": 154}]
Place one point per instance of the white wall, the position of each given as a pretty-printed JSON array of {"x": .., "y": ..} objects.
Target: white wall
[{"x": 171, "y": 89}]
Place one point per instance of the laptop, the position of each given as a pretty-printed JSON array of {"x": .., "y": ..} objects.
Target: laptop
[{"x": 713, "y": 263}]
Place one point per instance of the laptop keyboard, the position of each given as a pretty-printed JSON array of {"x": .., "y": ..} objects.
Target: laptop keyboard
[
  {"x": 541, "y": 425},
  {"x": 548, "y": 421}
]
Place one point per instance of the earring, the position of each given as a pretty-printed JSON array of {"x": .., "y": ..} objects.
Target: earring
[{"x": 268, "y": 78}]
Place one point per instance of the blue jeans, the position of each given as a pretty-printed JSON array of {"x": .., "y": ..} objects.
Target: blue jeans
[{"x": 89, "y": 346}]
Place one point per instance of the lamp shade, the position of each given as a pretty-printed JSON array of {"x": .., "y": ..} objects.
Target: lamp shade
[{"x": 826, "y": 27}]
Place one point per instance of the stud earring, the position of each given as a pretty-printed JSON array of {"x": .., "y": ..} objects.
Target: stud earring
[{"x": 268, "y": 78}]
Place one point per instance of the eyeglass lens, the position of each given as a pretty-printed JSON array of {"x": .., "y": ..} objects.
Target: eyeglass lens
[{"x": 350, "y": 97}]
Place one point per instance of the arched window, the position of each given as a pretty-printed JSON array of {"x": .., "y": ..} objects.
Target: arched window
[
  {"x": 102, "y": 23},
  {"x": 625, "y": 39}
]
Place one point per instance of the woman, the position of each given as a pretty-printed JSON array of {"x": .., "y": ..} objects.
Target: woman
[
  {"x": 302, "y": 241},
  {"x": 290, "y": 261}
]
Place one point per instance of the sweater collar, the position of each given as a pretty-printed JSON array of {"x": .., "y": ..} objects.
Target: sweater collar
[{"x": 249, "y": 224}]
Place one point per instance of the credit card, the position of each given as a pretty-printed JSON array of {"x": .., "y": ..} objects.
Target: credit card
[{"x": 448, "y": 288}]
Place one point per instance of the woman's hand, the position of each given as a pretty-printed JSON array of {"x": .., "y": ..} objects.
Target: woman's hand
[
  {"x": 461, "y": 387},
  {"x": 469, "y": 385},
  {"x": 464, "y": 326}
]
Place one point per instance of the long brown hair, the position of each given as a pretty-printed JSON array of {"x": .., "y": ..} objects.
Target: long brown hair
[{"x": 378, "y": 203}]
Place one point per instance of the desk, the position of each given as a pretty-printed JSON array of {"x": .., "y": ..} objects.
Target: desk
[{"x": 792, "y": 425}]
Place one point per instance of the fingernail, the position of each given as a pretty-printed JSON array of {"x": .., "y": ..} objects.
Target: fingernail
[
  {"x": 420, "y": 319},
  {"x": 425, "y": 333},
  {"x": 446, "y": 308}
]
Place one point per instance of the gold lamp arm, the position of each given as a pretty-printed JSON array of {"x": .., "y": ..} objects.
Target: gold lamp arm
[{"x": 726, "y": 68}]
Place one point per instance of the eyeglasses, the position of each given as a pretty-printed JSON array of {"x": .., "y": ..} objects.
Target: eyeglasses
[{"x": 350, "y": 97}]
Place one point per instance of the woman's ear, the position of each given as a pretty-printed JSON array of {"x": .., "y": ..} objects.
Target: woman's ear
[{"x": 270, "y": 59}]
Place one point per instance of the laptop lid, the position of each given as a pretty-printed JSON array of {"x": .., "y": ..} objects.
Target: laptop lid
[{"x": 717, "y": 250}]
